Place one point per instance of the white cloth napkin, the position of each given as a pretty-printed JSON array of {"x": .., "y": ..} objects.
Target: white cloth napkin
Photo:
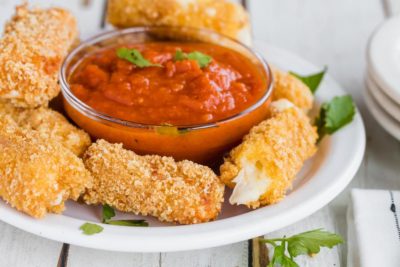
[{"x": 373, "y": 228}]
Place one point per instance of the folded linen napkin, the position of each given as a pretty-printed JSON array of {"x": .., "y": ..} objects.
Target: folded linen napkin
[{"x": 373, "y": 228}]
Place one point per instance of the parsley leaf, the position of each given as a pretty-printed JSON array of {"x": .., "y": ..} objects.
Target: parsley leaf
[
  {"x": 312, "y": 81},
  {"x": 334, "y": 115},
  {"x": 304, "y": 243},
  {"x": 129, "y": 222},
  {"x": 169, "y": 129},
  {"x": 108, "y": 213},
  {"x": 135, "y": 57},
  {"x": 310, "y": 242},
  {"x": 91, "y": 228},
  {"x": 180, "y": 55},
  {"x": 202, "y": 59}
]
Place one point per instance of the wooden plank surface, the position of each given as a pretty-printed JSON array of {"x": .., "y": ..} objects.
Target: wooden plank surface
[
  {"x": 18, "y": 248},
  {"x": 330, "y": 32}
]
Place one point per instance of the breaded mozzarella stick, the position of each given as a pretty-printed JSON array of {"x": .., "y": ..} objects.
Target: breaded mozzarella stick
[
  {"x": 37, "y": 175},
  {"x": 219, "y": 15},
  {"x": 263, "y": 167},
  {"x": 183, "y": 192},
  {"x": 287, "y": 86},
  {"x": 50, "y": 125},
  {"x": 31, "y": 51}
]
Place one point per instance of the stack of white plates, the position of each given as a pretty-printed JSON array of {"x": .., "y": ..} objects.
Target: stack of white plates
[{"x": 382, "y": 93}]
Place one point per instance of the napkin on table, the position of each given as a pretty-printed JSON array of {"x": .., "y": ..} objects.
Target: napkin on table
[{"x": 373, "y": 228}]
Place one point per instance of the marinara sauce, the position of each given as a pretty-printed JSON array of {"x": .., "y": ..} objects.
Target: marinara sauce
[{"x": 177, "y": 92}]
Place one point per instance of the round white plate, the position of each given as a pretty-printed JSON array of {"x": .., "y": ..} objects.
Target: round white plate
[
  {"x": 382, "y": 117},
  {"x": 384, "y": 57},
  {"x": 382, "y": 99},
  {"x": 323, "y": 178}
]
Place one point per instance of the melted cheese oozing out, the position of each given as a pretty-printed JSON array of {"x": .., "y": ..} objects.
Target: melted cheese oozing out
[
  {"x": 281, "y": 105},
  {"x": 251, "y": 184}
]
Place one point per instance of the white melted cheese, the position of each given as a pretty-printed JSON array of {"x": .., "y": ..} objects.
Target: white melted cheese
[
  {"x": 185, "y": 3},
  {"x": 251, "y": 184},
  {"x": 281, "y": 105}
]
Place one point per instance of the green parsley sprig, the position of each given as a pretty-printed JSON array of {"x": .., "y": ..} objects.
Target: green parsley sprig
[
  {"x": 312, "y": 81},
  {"x": 135, "y": 57},
  {"x": 202, "y": 59},
  {"x": 91, "y": 228},
  {"x": 108, "y": 213},
  {"x": 286, "y": 249},
  {"x": 334, "y": 115}
]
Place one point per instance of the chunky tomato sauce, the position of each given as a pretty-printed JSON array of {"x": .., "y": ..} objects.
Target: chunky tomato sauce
[{"x": 177, "y": 93}]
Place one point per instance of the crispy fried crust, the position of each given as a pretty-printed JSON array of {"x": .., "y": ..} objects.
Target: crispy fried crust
[
  {"x": 219, "y": 15},
  {"x": 183, "y": 192},
  {"x": 287, "y": 86},
  {"x": 50, "y": 125},
  {"x": 37, "y": 175},
  {"x": 31, "y": 51},
  {"x": 279, "y": 145}
]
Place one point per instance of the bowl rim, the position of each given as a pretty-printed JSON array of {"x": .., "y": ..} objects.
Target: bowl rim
[{"x": 94, "y": 114}]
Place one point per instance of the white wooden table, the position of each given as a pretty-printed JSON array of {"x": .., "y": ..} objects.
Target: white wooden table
[{"x": 325, "y": 32}]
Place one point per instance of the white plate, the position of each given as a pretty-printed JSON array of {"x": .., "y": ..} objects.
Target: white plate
[
  {"x": 384, "y": 57},
  {"x": 382, "y": 99},
  {"x": 323, "y": 178},
  {"x": 383, "y": 118}
]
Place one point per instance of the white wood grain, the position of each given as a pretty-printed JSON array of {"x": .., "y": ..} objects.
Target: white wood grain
[
  {"x": 235, "y": 255},
  {"x": 79, "y": 256},
  {"x": 20, "y": 249},
  {"x": 392, "y": 7}
]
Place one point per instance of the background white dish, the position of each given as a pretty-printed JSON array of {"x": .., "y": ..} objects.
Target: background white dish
[
  {"x": 384, "y": 57},
  {"x": 382, "y": 117},
  {"x": 383, "y": 100},
  {"x": 323, "y": 177}
]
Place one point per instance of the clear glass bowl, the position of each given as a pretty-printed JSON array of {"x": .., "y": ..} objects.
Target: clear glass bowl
[{"x": 201, "y": 143}]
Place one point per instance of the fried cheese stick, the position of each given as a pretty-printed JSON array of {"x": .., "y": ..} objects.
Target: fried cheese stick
[
  {"x": 37, "y": 175},
  {"x": 183, "y": 192},
  {"x": 263, "y": 167},
  {"x": 31, "y": 51},
  {"x": 287, "y": 86},
  {"x": 219, "y": 15},
  {"x": 50, "y": 125}
]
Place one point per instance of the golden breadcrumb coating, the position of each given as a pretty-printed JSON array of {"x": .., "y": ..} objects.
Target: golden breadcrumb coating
[
  {"x": 219, "y": 15},
  {"x": 37, "y": 174},
  {"x": 50, "y": 125},
  {"x": 287, "y": 86},
  {"x": 183, "y": 192},
  {"x": 270, "y": 156},
  {"x": 31, "y": 52}
]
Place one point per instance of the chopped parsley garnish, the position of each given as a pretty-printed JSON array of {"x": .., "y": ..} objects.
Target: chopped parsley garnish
[
  {"x": 108, "y": 213},
  {"x": 334, "y": 115},
  {"x": 135, "y": 57},
  {"x": 307, "y": 243},
  {"x": 169, "y": 129},
  {"x": 312, "y": 81},
  {"x": 202, "y": 59},
  {"x": 129, "y": 222},
  {"x": 91, "y": 228}
]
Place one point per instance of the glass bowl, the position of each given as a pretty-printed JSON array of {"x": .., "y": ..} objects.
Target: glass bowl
[{"x": 200, "y": 143}]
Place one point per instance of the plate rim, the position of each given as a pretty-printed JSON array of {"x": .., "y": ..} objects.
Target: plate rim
[
  {"x": 212, "y": 234},
  {"x": 384, "y": 101},
  {"x": 385, "y": 120},
  {"x": 384, "y": 38}
]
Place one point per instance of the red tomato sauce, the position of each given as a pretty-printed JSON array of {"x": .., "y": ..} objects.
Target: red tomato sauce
[{"x": 177, "y": 93}]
